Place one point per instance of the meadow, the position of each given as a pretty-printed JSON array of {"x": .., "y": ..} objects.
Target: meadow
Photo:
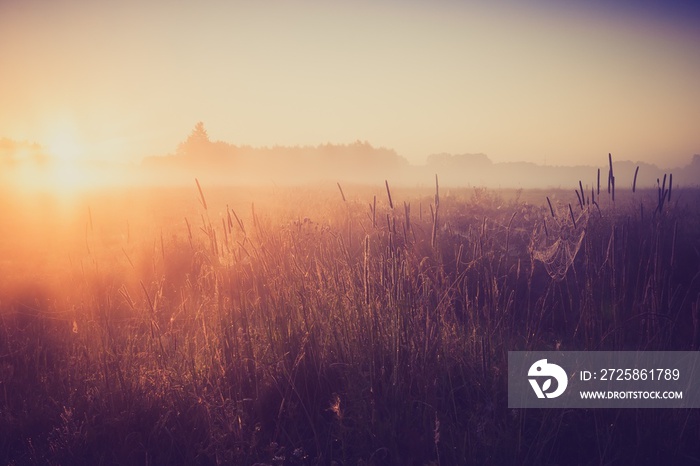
[{"x": 333, "y": 324}]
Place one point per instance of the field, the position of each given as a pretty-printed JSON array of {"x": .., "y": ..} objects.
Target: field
[{"x": 346, "y": 325}]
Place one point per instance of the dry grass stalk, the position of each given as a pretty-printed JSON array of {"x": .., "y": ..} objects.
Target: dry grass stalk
[
  {"x": 573, "y": 219},
  {"x": 407, "y": 212},
  {"x": 388, "y": 193},
  {"x": 437, "y": 192},
  {"x": 202, "y": 199},
  {"x": 612, "y": 180},
  {"x": 374, "y": 212},
  {"x": 551, "y": 209}
]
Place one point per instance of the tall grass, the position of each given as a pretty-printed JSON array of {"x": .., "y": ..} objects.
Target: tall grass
[{"x": 335, "y": 338}]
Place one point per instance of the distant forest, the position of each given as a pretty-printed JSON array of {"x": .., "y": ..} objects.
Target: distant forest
[
  {"x": 222, "y": 163},
  {"x": 360, "y": 162}
]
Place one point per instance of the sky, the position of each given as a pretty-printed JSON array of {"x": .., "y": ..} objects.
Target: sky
[{"x": 553, "y": 82}]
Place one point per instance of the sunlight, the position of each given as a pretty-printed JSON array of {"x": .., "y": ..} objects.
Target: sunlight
[
  {"x": 65, "y": 174},
  {"x": 70, "y": 166},
  {"x": 64, "y": 148}
]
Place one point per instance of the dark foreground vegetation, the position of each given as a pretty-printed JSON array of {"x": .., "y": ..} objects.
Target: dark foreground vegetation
[{"x": 353, "y": 328}]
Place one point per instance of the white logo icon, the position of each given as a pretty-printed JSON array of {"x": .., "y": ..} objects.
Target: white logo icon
[{"x": 547, "y": 372}]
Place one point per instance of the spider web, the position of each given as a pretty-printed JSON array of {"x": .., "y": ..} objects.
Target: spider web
[{"x": 557, "y": 242}]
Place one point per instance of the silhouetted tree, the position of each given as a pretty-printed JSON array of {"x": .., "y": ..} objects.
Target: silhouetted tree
[
  {"x": 199, "y": 134},
  {"x": 197, "y": 142}
]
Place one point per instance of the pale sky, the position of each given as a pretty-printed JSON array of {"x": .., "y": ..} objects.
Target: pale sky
[{"x": 564, "y": 82}]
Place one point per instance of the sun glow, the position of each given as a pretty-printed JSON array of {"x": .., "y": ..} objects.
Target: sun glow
[
  {"x": 65, "y": 172},
  {"x": 63, "y": 166},
  {"x": 65, "y": 148}
]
